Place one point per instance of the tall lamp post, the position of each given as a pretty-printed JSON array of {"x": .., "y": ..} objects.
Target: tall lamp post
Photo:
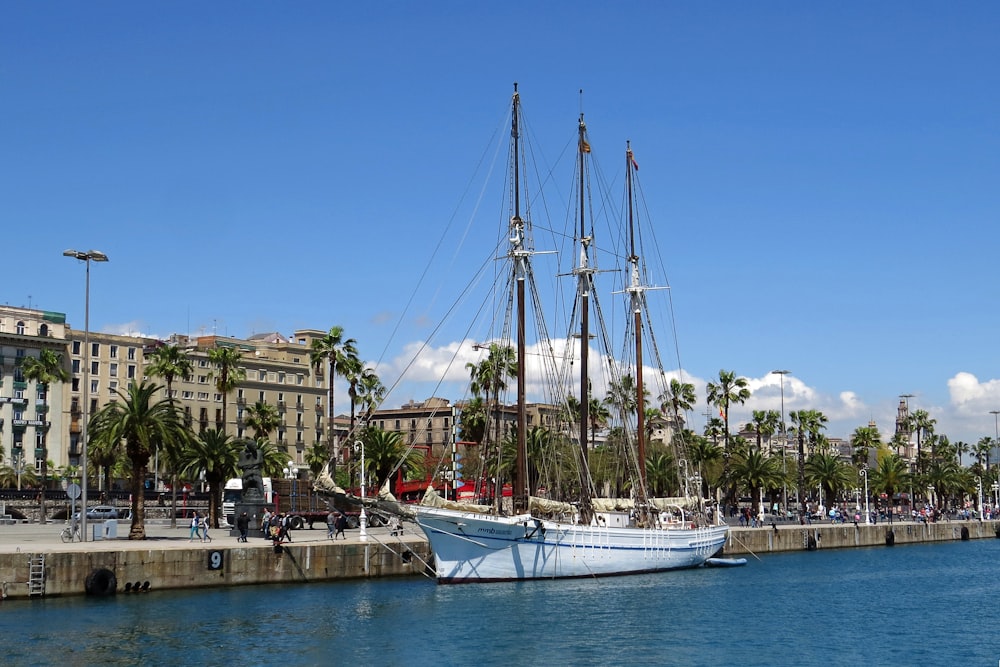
[
  {"x": 88, "y": 257},
  {"x": 868, "y": 515},
  {"x": 363, "y": 519},
  {"x": 996, "y": 428},
  {"x": 784, "y": 440}
]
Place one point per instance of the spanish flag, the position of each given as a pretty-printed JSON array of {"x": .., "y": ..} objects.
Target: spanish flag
[
  {"x": 635, "y": 165},
  {"x": 584, "y": 146}
]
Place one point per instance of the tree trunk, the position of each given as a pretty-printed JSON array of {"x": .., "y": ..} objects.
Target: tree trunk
[{"x": 138, "y": 529}]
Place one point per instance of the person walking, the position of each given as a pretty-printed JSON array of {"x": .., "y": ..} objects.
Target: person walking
[
  {"x": 195, "y": 527},
  {"x": 204, "y": 529},
  {"x": 341, "y": 525},
  {"x": 265, "y": 523},
  {"x": 243, "y": 525},
  {"x": 331, "y": 525}
]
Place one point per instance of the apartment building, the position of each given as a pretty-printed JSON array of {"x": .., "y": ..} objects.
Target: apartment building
[{"x": 31, "y": 418}]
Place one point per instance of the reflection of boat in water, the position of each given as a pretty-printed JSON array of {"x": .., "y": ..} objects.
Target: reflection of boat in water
[{"x": 589, "y": 536}]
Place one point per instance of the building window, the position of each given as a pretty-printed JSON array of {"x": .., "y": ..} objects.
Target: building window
[
  {"x": 397, "y": 424},
  {"x": 113, "y": 386},
  {"x": 94, "y": 366},
  {"x": 113, "y": 351},
  {"x": 203, "y": 396},
  {"x": 43, "y": 330},
  {"x": 131, "y": 354},
  {"x": 76, "y": 365},
  {"x": 93, "y": 386},
  {"x": 281, "y": 377},
  {"x": 19, "y": 328},
  {"x": 95, "y": 349},
  {"x": 218, "y": 398},
  {"x": 131, "y": 371},
  {"x": 76, "y": 384},
  {"x": 202, "y": 379},
  {"x": 76, "y": 347},
  {"x": 187, "y": 394},
  {"x": 113, "y": 370},
  {"x": 260, "y": 396}
]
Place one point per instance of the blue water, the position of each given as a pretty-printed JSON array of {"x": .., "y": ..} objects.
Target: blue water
[{"x": 906, "y": 605}]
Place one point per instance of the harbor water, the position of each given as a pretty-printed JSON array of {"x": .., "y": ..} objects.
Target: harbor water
[{"x": 932, "y": 604}]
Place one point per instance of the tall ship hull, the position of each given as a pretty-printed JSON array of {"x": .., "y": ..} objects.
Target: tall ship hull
[{"x": 471, "y": 548}]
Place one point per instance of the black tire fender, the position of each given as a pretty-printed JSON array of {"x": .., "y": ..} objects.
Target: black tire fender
[{"x": 102, "y": 582}]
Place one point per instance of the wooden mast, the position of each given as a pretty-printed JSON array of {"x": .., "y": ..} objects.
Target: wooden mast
[
  {"x": 635, "y": 291},
  {"x": 584, "y": 272},
  {"x": 520, "y": 258}
]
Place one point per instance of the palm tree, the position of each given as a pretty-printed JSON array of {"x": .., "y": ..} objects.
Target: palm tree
[
  {"x": 229, "y": 373},
  {"x": 828, "y": 472},
  {"x": 703, "y": 451},
  {"x": 169, "y": 362},
  {"x": 145, "y": 425},
  {"x": 370, "y": 393},
  {"x": 622, "y": 397},
  {"x": 263, "y": 419},
  {"x": 982, "y": 450},
  {"x": 334, "y": 354},
  {"x": 215, "y": 455},
  {"x": 765, "y": 424},
  {"x": 660, "y": 472},
  {"x": 922, "y": 424},
  {"x": 44, "y": 370},
  {"x": 728, "y": 390},
  {"x": 757, "y": 471},
  {"x": 599, "y": 416},
  {"x": 383, "y": 452},
  {"x": 806, "y": 423},
  {"x": 890, "y": 475},
  {"x": 679, "y": 397},
  {"x": 864, "y": 439}
]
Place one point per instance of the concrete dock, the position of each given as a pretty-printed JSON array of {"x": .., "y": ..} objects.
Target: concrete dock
[{"x": 34, "y": 561}]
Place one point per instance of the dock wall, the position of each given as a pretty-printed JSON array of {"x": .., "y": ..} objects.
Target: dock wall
[
  {"x": 758, "y": 541},
  {"x": 66, "y": 572}
]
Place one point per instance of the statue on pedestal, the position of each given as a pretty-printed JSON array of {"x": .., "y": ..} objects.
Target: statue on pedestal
[{"x": 251, "y": 462}]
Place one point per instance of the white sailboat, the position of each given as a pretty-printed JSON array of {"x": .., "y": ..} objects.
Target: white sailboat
[{"x": 539, "y": 538}]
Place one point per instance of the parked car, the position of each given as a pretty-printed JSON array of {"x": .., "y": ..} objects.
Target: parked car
[{"x": 99, "y": 513}]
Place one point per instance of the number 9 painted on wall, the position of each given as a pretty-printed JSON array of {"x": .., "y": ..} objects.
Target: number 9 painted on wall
[{"x": 215, "y": 560}]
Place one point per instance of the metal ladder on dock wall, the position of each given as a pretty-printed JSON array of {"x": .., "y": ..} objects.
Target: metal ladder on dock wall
[{"x": 36, "y": 575}]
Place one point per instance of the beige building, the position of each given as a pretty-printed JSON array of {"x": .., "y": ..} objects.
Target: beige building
[
  {"x": 278, "y": 372},
  {"x": 31, "y": 420}
]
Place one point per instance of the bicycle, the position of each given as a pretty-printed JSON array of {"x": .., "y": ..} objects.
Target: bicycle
[{"x": 70, "y": 534}]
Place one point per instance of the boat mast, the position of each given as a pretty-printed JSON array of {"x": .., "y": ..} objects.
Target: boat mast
[
  {"x": 635, "y": 291},
  {"x": 584, "y": 283},
  {"x": 519, "y": 256}
]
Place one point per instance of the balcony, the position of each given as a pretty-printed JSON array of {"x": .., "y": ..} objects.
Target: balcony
[
  {"x": 41, "y": 408},
  {"x": 40, "y": 453},
  {"x": 20, "y": 385},
  {"x": 241, "y": 400},
  {"x": 281, "y": 406}
]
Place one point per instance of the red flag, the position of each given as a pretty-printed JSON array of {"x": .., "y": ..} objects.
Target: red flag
[{"x": 635, "y": 165}]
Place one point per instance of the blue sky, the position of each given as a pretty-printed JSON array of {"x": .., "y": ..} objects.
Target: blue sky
[{"x": 825, "y": 174}]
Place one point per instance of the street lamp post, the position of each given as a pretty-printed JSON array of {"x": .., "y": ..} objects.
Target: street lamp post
[
  {"x": 979, "y": 488},
  {"x": 996, "y": 429},
  {"x": 784, "y": 440},
  {"x": 363, "y": 519},
  {"x": 868, "y": 515},
  {"x": 88, "y": 257}
]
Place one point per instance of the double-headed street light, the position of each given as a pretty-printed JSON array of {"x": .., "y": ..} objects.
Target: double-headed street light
[{"x": 88, "y": 257}]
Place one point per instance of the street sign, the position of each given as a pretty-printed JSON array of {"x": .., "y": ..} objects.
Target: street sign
[{"x": 73, "y": 491}]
